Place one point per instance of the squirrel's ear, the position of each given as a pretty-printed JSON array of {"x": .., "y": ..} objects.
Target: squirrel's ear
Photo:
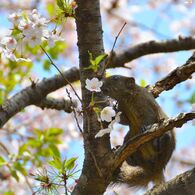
[{"x": 130, "y": 82}]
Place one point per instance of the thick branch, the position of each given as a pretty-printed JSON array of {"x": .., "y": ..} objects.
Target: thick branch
[
  {"x": 89, "y": 32},
  {"x": 34, "y": 94},
  {"x": 180, "y": 185},
  {"x": 152, "y": 47},
  {"x": 178, "y": 75},
  {"x": 155, "y": 131},
  {"x": 57, "y": 104}
]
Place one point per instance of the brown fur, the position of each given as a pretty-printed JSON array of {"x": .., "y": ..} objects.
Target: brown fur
[{"x": 139, "y": 110}]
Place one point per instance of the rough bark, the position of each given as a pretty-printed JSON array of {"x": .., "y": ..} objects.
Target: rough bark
[
  {"x": 156, "y": 130},
  {"x": 89, "y": 32},
  {"x": 34, "y": 94},
  {"x": 176, "y": 76},
  {"x": 100, "y": 161},
  {"x": 183, "y": 184},
  {"x": 152, "y": 47}
]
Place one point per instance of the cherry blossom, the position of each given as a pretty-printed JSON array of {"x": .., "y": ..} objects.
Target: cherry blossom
[
  {"x": 33, "y": 39},
  {"x": 52, "y": 38},
  {"x": 93, "y": 85},
  {"x": 110, "y": 126},
  {"x": 107, "y": 113},
  {"x": 10, "y": 55},
  {"x": 9, "y": 42},
  {"x": 15, "y": 18},
  {"x": 26, "y": 26}
]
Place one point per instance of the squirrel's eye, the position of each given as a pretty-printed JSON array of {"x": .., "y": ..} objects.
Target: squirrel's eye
[{"x": 115, "y": 78}]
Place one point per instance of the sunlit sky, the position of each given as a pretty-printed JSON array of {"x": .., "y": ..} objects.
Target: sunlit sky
[{"x": 151, "y": 19}]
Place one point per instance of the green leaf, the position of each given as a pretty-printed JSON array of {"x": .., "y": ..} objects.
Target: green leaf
[
  {"x": 15, "y": 175},
  {"x": 19, "y": 167},
  {"x": 56, "y": 163},
  {"x": 95, "y": 62},
  {"x": 69, "y": 164},
  {"x": 2, "y": 161},
  {"x": 91, "y": 58},
  {"x": 99, "y": 59},
  {"x": 61, "y": 4},
  {"x": 46, "y": 65},
  {"x": 143, "y": 83},
  {"x": 54, "y": 131},
  {"x": 8, "y": 193},
  {"x": 191, "y": 100},
  {"x": 54, "y": 150},
  {"x": 22, "y": 149},
  {"x": 50, "y": 9}
]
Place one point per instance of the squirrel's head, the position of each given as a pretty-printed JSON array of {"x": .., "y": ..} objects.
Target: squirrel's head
[{"x": 118, "y": 86}]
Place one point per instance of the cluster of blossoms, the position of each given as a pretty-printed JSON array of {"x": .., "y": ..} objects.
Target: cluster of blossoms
[
  {"x": 27, "y": 30},
  {"x": 108, "y": 113}
]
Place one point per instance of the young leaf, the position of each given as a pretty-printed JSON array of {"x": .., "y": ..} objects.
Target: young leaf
[
  {"x": 69, "y": 164},
  {"x": 99, "y": 59},
  {"x": 61, "y": 4},
  {"x": 143, "y": 83},
  {"x": 54, "y": 150},
  {"x": 2, "y": 161},
  {"x": 15, "y": 175},
  {"x": 95, "y": 62},
  {"x": 191, "y": 100},
  {"x": 56, "y": 163},
  {"x": 8, "y": 193}
]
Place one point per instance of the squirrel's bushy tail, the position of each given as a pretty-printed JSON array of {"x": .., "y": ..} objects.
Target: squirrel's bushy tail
[{"x": 138, "y": 176}]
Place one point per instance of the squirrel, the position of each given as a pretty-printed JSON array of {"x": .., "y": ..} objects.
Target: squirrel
[{"x": 139, "y": 110}]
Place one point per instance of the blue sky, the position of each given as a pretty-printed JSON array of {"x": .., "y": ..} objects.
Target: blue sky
[{"x": 148, "y": 18}]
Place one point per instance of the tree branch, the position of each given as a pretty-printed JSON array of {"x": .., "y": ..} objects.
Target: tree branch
[
  {"x": 178, "y": 75},
  {"x": 152, "y": 47},
  {"x": 57, "y": 104},
  {"x": 180, "y": 185},
  {"x": 156, "y": 130},
  {"x": 34, "y": 94}
]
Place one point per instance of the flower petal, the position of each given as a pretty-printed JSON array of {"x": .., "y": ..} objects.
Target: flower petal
[{"x": 103, "y": 132}]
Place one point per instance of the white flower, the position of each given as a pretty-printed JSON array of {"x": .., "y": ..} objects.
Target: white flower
[
  {"x": 52, "y": 38},
  {"x": 33, "y": 39},
  {"x": 38, "y": 22},
  {"x": 8, "y": 54},
  {"x": 110, "y": 126},
  {"x": 93, "y": 84},
  {"x": 193, "y": 110},
  {"x": 26, "y": 27},
  {"x": 103, "y": 132},
  {"x": 23, "y": 60},
  {"x": 9, "y": 42},
  {"x": 15, "y": 18},
  {"x": 107, "y": 113}
]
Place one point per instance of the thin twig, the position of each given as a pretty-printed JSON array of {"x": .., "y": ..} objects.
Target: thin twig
[
  {"x": 74, "y": 112},
  {"x": 51, "y": 61},
  {"x": 4, "y": 148},
  {"x": 65, "y": 183},
  {"x": 112, "y": 50},
  {"x": 117, "y": 37}
]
